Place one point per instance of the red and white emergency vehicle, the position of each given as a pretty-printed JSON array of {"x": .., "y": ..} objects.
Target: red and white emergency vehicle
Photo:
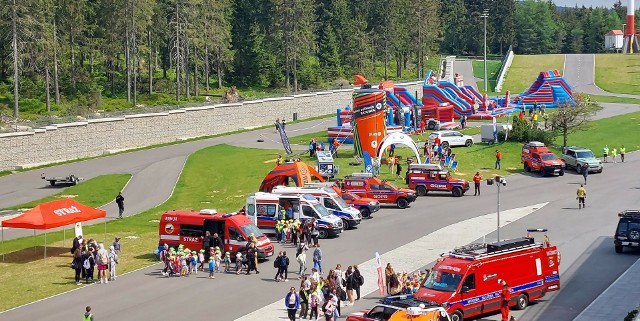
[
  {"x": 366, "y": 206},
  {"x": 189, "y": 227},
  {"x": 465, "y": 280}
]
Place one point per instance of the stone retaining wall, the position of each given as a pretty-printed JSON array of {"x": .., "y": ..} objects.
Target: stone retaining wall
[{"x": 95, "y": 137}]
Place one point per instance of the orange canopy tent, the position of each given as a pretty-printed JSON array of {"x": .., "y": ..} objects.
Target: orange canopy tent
[
  {"x": 53, "y": 214},
  {"x": 299, "y": 172}
]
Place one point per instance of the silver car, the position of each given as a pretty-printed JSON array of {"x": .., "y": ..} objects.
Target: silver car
[
  {"x": 577, "y": 157},
  {"x": 451, "y": 138}
]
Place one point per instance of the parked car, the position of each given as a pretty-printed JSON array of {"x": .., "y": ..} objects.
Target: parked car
[
  {"x": 451, "y": 138},
  {"x": 576, "y": 157},
  {"x": 628, "y": 230}
]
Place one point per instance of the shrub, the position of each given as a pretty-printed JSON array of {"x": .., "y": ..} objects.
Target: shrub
[{"x": 524, "y": 131}]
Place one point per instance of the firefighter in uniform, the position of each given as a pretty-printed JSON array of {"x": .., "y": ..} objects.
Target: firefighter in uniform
[
  {"x": 476, "y": 180},
  {"x": 505, "y": 297}
]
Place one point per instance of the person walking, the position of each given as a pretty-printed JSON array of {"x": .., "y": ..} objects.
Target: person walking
[
  {"x": 391, "y": 162},
  {"x": 623, "y": 150},
  {"x": 350, "y": 284},
  {"x": 314, "y": 232},
  {"x": 77, "y": 264},
  {"x": 585, "y": 172},
  {"x": 328, "y": 308},
  {"x": 614, "y": 153},
  {"x": 317, "y": 259},
  {"x": 304, "y": 302},
  {"x": 399, "y": 170},
  {"x": 581, "y": 195},
  {"x": 116, "y": 245},
  {"x": 476, "y": 181},
  {"x": 605, "y": 153},
  {"x": 88, "y": 316},
  {"x": 498, "y": 159},
  {"x": 251, "y": 259},
  {"x": 301, "y": 257},
  {"x": 102, "y": 262},
  {"x": 283, "y": 267},
  {"x": 505, "y": 298},
  {"x": 120, "y": 202},
  {"x": 359, "y": 281},
  {"x": 113, "y": 260},
  {"x": 292, "y": 303}
]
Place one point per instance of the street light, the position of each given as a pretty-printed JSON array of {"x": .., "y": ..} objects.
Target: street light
[
  {"x": 485, "y": 15},
  {"x": 498, "y": 180}
]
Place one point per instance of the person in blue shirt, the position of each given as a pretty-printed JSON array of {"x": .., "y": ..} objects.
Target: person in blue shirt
[
  {"x": 292, "y": 303},
  {"x": 212, "y": 268}
]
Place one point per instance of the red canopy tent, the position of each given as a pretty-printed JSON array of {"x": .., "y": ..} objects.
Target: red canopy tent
[
  {"x": 298, "y": 172},
  {"x": 53, "y": 214}
]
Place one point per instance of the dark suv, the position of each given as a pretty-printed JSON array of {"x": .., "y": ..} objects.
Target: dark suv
[{"x": 628, "y": 231}]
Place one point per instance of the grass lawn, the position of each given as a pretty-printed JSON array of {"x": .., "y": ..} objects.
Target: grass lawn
[
  {"x": 95, "y": 192},
  {"x": 613, "y": 99},
  {"x": 525, "y": 69},
  {"x": 224, "y": 185},
  {"x": 493, "y": 68},
  {"x": 618, "y": 73}
]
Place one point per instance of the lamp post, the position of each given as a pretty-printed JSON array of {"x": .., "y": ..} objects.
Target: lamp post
[
  {"x": 498, "y": 180},
  {"x": 485, "y": 15}
]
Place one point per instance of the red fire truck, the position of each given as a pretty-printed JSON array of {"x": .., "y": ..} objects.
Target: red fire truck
[
  {"x": 188, "y": 228},
  {"x": 465, "y": 280}
]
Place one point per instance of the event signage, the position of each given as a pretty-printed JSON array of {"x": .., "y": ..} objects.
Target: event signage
[{"x": 66, "y": 211}]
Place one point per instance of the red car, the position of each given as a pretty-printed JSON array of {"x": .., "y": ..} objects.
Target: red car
[{"x": 367, "y": 185}]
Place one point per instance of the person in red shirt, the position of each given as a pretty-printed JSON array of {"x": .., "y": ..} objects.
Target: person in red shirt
[
  {"x": 436, "y": 141},
  {"x": 423, "y": 125},
  {"x": 505, "y": 297},
  {"x": 498, "y": 159},
  {"x": 477, "y": 179}
]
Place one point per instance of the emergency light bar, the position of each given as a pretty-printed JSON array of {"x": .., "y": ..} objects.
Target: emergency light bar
[
  {"x": 537, "y": 230},
  {"x": 209, "y": 211},
  {"x": 630, "y": 214}
]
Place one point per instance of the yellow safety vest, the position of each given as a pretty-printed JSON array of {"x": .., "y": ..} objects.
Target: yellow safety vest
[
  {"x": 622, "y": 150},
  {"x": 87, "y": 317},
  {"x": 582, "y": 192}
]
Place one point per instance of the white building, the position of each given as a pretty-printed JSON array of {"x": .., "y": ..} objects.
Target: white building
[{"x": 614, "y": 40}]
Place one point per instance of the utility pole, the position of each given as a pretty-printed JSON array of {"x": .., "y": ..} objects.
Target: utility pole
[{"x": 485, "y": 15}]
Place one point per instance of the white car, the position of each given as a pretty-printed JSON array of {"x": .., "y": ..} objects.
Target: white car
[{"x": 451, "y": 138}]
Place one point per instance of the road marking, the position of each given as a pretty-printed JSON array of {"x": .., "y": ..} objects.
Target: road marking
[{"x": 403, "y": 258}]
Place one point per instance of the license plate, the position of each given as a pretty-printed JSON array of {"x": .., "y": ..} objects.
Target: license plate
[{"x": 270, "y": 254}]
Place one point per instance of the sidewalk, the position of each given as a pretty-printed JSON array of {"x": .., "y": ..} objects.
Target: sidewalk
[{"x": 620, "y": 298}]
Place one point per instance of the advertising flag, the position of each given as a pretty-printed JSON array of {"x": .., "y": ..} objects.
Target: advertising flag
[{"x": 380, "y": 274}]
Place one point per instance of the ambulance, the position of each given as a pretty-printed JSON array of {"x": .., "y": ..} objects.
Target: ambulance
[
  {"x": 263, "y": 208},
  {"x": 366, "y": 206},
  {"x": 330, "y": 199},
  {"x": 465, "y": 280},
  {"x": 189, "y": 227}
]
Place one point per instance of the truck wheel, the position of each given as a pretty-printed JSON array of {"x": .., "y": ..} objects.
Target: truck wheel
[
  {"x": 402, "y": 203},
  {"x": 523, "y": 302},
  {"x": 456, "y": 315},
  {"x": 323, "y": 234},
  {"x": 421, "y": 190},
  {"x": 561, "y": 172},
  {"x": 634, "y": 235},
  {"x": 345, "y": 224},
  {"x": 468, "y": 143},
  {"x": 618, "y": 248},
  {"x": 52, "y": 183},
  {"x": 457, "y": 191},
  {"x": 526, "y": 167},
  {"x": 365, "y": 213},
  {"x": 431, "y": 125}
]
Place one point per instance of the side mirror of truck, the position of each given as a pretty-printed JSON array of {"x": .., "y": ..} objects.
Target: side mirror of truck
[{"x": 465, "y": 289}]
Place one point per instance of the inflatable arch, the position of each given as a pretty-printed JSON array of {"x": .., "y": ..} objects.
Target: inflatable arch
[{"x": 398, "y": 138}]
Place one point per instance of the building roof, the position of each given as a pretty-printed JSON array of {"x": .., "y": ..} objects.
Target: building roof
[{"x": 615, "y": 33}]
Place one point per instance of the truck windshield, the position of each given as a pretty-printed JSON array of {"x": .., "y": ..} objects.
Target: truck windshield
[
  {"x": 548, "y": 156},
  {"x": 442, "y": 281},
  {"x": 340, "y": 202},
  {"x": 322, "y": 211},
  {"x": 390, "y": 185},
  {"x": 588, "y": 154},
  {"x": 251, "y": 229}
]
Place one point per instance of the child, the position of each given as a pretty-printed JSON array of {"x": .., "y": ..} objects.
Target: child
[
  {"x": 212, "y": 268},
  {"x": 218, "y": 258},
  {"x": 227, "y": 262},
  {"x": 113, "y": 260},
  {"x": 194, "y": 262},
  {"x": 238, "y": 263},
  {"x": 184, "y": 270},
  {"x": 313, "y": 305},
  {"x": 201, "y": 260}
]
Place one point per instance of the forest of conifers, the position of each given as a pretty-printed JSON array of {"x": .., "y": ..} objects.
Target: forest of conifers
[{"x": 63, "y": 57}]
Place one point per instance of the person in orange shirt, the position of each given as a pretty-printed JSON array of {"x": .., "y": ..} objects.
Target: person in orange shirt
[
  {"x": 498, "y": 159},
  {"x": 505, "y": 297},
  {"x": 476, "y": 180}
]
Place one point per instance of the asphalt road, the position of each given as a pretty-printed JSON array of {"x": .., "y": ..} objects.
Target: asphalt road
[
  {"x": 464, "y": 67},
  {"x": 579, "y": 71},
  {"x": 583, "y": 236}
]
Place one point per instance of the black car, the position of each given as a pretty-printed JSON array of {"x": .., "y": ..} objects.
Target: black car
[{"x": 628, "y": 231}]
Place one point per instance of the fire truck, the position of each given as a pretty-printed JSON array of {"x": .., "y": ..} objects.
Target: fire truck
[
  {"x": 263, "y": 208},
  {"x": 189, "y": 227},
  {"x": 465, "y": 280},
  {"x": 367, "y": 185},
  {"x": 537, "y": 157},
  {"x": 433, "y": 177}
]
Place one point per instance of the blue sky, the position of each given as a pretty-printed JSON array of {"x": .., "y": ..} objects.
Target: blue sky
[{"x": 591, "y": 3}]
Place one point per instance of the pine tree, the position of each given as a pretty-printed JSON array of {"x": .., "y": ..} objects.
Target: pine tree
[
  {"x": 425, "y": 31},
  {"x": 453, "y": 17}
]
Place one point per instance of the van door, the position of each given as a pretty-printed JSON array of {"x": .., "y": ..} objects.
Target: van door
[
  {"x": 468, "y": 291},
  {"x": 214, "y": 226}
]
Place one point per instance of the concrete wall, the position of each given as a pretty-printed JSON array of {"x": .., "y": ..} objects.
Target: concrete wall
[{"x": 95, "y": 137}]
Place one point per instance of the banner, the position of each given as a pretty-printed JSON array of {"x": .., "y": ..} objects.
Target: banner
[
  {"x": 78, "y": 229},
  {"x": 368, "y": 163},
  {"x": 380, "y": 274},
  {"x": 284, "y": 139},
  {"x": 368, "y": 120}
]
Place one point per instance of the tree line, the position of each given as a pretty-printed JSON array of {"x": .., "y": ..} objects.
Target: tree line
[{"x": 56, "y": 51}]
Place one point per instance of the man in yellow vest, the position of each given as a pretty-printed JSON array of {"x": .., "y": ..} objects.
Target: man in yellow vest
[
  {"x": 614, "y": 153},
  {"x": 582, "y": 194},
  {"x": 605, "y": 153},
  {"x": 87, "y": 315},
  {"x": 622, "y": 151}
]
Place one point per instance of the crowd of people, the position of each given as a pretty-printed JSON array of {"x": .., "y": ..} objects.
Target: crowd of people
[
  {"x": 89, "y": 255},
  {"x": 397, "y": 283}
]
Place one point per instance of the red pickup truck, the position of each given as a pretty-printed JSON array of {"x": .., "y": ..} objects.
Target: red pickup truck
[{"x": 367, "y": 185}]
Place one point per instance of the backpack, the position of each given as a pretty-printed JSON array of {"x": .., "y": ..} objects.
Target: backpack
[
  {"x": 284, "y": 261},
  {"x": 86, "y": 264},
  {"x": 361, "y": 280},
  {"x": 276, "y": 262}
]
